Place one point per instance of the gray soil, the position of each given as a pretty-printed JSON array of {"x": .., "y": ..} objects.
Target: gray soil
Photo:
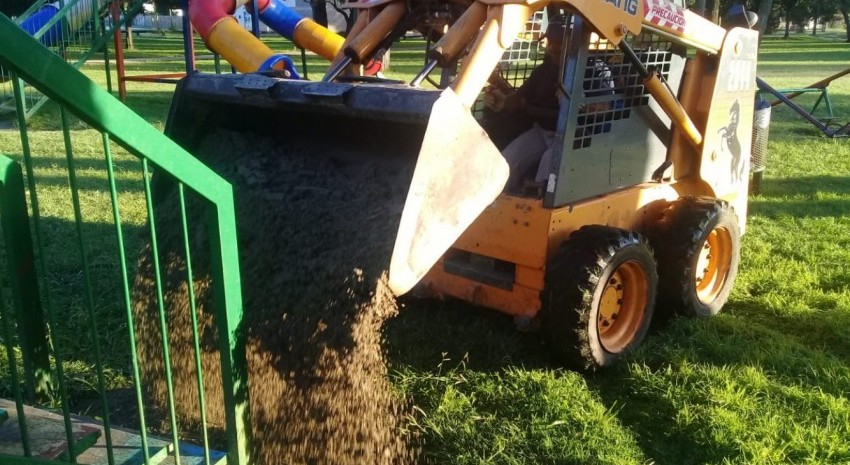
[{"x": 315, "y": 237}]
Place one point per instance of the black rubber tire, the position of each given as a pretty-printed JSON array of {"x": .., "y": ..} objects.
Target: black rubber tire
[
  {"x": 690, "y": 283},
  {"x": 580, "y": 280}
]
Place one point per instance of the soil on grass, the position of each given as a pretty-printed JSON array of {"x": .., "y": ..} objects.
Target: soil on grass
[{"x": 315, "y": 237}]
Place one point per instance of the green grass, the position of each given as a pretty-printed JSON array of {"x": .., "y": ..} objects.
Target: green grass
[{"x": 765, "y": 382}]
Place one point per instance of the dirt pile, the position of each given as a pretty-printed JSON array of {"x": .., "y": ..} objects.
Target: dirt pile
[{"x": 315, "y": 234}]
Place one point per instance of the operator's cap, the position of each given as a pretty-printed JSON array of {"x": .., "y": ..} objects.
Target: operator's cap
[{"x": 557, "y": 27}]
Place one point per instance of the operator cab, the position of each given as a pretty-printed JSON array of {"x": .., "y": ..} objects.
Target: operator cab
[{"x": 607, "y": 134}]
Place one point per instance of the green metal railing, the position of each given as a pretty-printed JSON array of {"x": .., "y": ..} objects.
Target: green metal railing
[
  {"x": 78, "y": 44},
  {"x": 37, "y": 273}
]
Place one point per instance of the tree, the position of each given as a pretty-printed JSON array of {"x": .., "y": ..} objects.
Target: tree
[
  {"x": 712, "y": 10},
  {"x": 320, "y": 12},
  {"x": 14, "y": 7},
  {"x": 164, "y": 6},
  {"x": 770, "y": 15},
  {"x": 795, "y": 11},
  {"x": 765, "y": 7},
  {"x": 822, "y": 11},
  {"x": 844, "y": 7},
  {"x": 769, "y": 11}
]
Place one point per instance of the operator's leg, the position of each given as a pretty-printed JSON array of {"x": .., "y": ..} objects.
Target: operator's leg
[
  {"x": 545, "y": 165},
  {"x": 504, "y": 126},
  {"x": 523, "y": 153}
]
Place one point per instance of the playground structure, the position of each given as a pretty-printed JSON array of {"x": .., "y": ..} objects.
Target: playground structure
[
  {"x": 52, "y": 31},
  {"x": 72, "y": 29},
  {"x": 225, "y": 37},
  {"x": 75, "y": 30}
]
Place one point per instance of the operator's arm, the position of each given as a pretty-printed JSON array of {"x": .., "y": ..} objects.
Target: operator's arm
[
  {"x": 500, "y": 96},
  {"x": 500, "y": 101}
]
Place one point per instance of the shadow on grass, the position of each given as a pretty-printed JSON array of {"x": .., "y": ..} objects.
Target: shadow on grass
[
  {"x": 426, "y": 332},
  {"x": 82, "y": 326},
  {"x": 152, "y": 106},
  {"x": 808, "y": 190},
  {"x": 652, "y": 419},
  {"x": 803, "y": 185},
  {"x": 801, "y": 350},
  {"x": 67, "y": 285},
  {"x": 791, "y": 350},
  {"x": 90, "y": 174}
]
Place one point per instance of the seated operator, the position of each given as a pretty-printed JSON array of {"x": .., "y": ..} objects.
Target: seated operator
[{"x": 534, "y": 108}]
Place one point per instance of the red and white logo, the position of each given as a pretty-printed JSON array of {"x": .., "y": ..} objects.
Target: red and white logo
[{"x": 665, "y": 14}]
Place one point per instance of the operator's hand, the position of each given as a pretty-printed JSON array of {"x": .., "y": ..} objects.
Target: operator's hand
[{"x": 494, "y": 99}]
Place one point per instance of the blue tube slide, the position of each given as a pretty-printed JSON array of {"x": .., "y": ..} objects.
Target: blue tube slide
[{"x": 41, "y": 17}]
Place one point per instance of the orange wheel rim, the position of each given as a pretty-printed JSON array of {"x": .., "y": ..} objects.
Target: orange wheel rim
[
  {"x": 715, "y": 260},
  {"x": 622, "y": 306}
]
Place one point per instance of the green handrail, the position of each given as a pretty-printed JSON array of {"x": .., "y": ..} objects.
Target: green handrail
[{"x": 61, "y": 82}]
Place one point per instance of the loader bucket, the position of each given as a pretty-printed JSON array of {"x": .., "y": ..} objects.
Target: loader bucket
[{"x": 448, "y": 166}]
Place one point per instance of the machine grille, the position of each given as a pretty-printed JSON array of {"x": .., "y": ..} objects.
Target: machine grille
[{"x": 612, "y": 87}]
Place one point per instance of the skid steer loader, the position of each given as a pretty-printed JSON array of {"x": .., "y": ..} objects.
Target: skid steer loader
[{"x": 645, "y": 197}]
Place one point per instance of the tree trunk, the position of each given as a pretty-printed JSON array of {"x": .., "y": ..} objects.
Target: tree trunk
[
  {"x": 846, "y": 15},
  {"x": 787, "y": 26},
  {"x": 815, "y": 22},
  {"x": 699, "y": 8},
  {"x": 764, "y": 15},
  {"x": 350, "y": 19},
  {"x": 320, "y": 12},
  {"x": 712, "y": 10},
  {"x": 130, "y": 44}
]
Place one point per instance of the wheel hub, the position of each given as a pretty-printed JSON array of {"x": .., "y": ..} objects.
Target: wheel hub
[
  {"x": 713, "y": 265},
  {"x": 612, "y": 298},
  {"x": 622, "y": 306}
]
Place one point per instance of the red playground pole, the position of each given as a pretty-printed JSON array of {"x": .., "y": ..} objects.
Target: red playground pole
[{"x": 119, "y": 50}]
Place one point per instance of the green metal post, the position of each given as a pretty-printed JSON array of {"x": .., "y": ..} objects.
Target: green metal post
[
  {"x": 11, "y": 178},
  {"x": 128, "y": 306},
  {"x": 163, "y": 325},
  {"x": 39, "y": 237},
  {"x": 98, "y": 32},
  {"x": 78, "y": 220},
  {"x": 20, "y": 96},
  {"x": 23, "y": 277},
  {"x": 221, "y": 221},
  {"x": 107, "y": 67},
  {"x": 190, "y": 284}
]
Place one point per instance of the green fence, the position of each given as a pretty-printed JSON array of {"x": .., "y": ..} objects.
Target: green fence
[{"x": 70, "y": 220}]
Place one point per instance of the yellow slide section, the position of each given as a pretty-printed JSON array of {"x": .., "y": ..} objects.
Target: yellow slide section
[{"x": 238, "y": 46}]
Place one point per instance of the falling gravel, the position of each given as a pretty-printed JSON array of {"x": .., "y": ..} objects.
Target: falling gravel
[{"x": 315, "y": 236}]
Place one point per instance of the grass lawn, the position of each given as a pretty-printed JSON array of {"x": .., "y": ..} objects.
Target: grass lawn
[{"x": 767, "y": 381}]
